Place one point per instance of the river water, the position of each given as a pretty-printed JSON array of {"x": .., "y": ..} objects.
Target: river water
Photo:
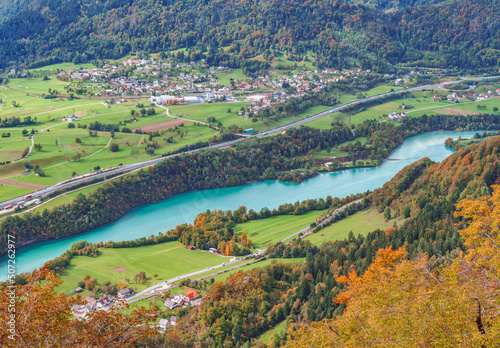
[{"x": 158, "y": 217}]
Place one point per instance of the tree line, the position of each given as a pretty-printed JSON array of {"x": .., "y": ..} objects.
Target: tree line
[{"x": 86, "y": 31}]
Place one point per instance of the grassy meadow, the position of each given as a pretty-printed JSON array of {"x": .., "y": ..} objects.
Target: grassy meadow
[
  {"x": 265, "y": 232},
  {"x": 168, "y": 260},
  {"x": 362, "y": 223}
]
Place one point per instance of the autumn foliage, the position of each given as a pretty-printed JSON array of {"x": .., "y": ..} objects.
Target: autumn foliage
[
  {"x": 424, "y": 302},
  {"x": 43, "y": 318}
]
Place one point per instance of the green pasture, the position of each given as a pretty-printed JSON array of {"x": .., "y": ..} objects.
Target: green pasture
[
  {"x": 65, "y": 66},
  {"x": 225, "y": 77},
  {"x": 202, "y": 112},
  {"x": 11, "y": 148},
  {"x": 265, "y": 232},
  {"x": 168, "y": 260},
  {"x": 45, "y": 110},
  {"x": 63, "y": 199},
  {"x": 361, "y": 222},
  {"x": 57, "y": 160},
  {"x": 38, "y": 85},
  {"x": 67, "y": 197},
  {"x": 267, "y": 336},
  {"x": 381, "y": 90},
  {"x": 8, "y": 192},
  {"x": 419, "y": 106},
  {"x": 467, "y": 106}
]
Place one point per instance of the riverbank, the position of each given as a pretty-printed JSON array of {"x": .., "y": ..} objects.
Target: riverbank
[{"x": 152, "y": 218}]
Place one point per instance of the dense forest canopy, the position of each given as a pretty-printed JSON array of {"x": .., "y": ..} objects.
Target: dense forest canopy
[
  {"x": 462, "y": 34},
  {"x": 395, "y": 4}
]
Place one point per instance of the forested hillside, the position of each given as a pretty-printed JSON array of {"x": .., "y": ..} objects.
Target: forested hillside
[
  {"x": 395, "y": 4},
  {"x": 463, "y": 33},
  {"x": 247, "y": 304},
  {"x": 425, "y": 302}
]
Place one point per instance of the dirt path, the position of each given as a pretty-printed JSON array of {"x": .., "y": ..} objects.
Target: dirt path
[
  {"x": 3, "y": 101},
  {"x": 29, "y": 150},
  {"x": 109, "y": 142}
]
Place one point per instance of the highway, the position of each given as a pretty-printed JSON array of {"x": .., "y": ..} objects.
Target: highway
[{"x": 110, "y": 173}]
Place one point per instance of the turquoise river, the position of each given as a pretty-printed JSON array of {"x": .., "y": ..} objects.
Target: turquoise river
[{"x": 168, "y": 213}]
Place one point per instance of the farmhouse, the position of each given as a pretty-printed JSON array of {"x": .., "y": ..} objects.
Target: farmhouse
[
  {"x": 163, "y": 324},
  {"x": 125, "y": 293},
  {"x": 71, "y": 118},
  {"x": 192, "y": 294}
]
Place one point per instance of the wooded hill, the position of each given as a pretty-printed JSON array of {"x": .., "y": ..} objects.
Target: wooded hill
[
  {"x": 247, "y": 304},
  {"x": 460, "y": 34}
]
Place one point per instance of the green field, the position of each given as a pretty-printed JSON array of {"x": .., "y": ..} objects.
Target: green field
[
  {"x": 63, "y": 199},
  {"x": 202, "y": 112},
  {"x": 420, "y": 105},
  {"x": 265, "y": 232},
  {"x": 382, "y": 89},
  {"x": 362, "y": 223},
  {"x": 59, "y": 145},
  {"x": 168, "y": 260},
  {"x": 12, "y": 191},
  {"x": 224, "y": 77},
  {"x": 65, "y": 66},
  {"x": 267, "y": 336}
]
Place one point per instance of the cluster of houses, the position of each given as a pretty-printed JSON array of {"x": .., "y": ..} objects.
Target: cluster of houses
[
  {"x": 92, "y": 304},
  {"x": 112, "y": 80},
  {"x": 454, "y": 97},
  {"x": 191, "y": 297},
  {"x": 396, "y": 116}
]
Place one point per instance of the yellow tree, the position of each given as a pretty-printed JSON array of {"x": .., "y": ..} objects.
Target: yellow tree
[
  {"x": 415, "y": 303},
  {"x": 39, "y": 316}
]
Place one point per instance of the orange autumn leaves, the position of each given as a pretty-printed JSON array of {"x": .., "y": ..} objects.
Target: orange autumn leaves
[
  {"x": 422, "y": 302},
  {"x": 43, "y": 318}
]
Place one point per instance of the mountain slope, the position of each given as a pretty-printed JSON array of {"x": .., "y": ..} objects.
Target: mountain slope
[{"x": 339, "y": 34}]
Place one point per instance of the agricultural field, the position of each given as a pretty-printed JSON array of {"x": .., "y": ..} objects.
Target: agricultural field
[
  {"x": 225, "y": 77},
  {"x": 168, "y": 260},
  {"x": 64, "y": 66},
  {"x": 265, "y": 232},
  {"x": 362, "y": 223},
  {"x": 202, "y": 113},
  {"x": 382, "y": 89},
  {"x": 420, "y": 105},
  {"x": 60, "y": 144}
]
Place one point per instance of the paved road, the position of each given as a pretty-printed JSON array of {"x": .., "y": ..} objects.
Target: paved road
[
  {"x": 305, "y": 232},
  {"x": 128, "y": 168}
]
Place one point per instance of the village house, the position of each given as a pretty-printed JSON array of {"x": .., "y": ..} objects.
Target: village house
[
  {"x": 71, "y": 118},
  {"x": 163, "y": 324},
  {"x": 125, "y": 293},
  {"x": 175, "y": 301},
  {"x": 397, "y": 116},
  {"x": 192, "y": 294}
]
